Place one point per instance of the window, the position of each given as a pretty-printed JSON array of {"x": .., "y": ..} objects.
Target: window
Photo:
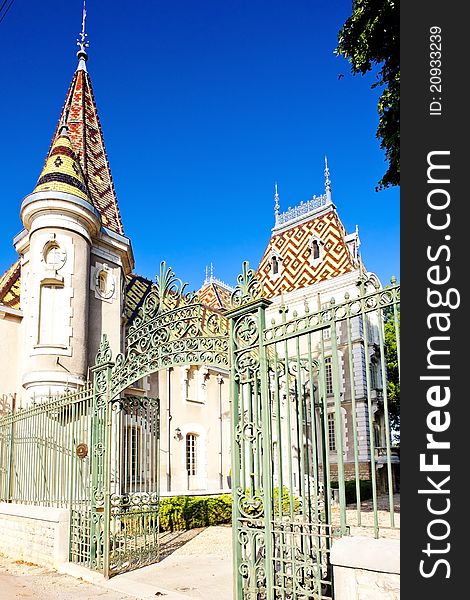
[
  {"x": 51, "y": 325},
  {"x": 275, "y": 265},
  {"x": 331, "y": 432},
  {"x": 191, "y": 448},
  {"x": 191, "y": 383},
  {"x": 103, "y": 282},
  {"x": 133, "y": 453},
  {"x": 315, "y": 250},
  {"x": 53, "y": 255},
  {"x": 328, "y": 375}
]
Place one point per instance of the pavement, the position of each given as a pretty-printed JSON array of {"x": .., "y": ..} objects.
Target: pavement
[{"x": 201, "y": 567}]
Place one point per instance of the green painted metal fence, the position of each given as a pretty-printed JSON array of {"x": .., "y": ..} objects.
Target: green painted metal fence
[
  {"x": 39, "y": 463},
  {"x": 311, "y": 432},
  {"x": 312, "y": 446}
]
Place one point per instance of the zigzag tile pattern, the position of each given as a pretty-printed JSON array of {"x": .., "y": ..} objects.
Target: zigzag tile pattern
[
  {"x": 85, "y": 133},
  {"x": 214, "y": 295},
  {"x": 293, "y": 246},
  {"x": 10, "y": 286}
]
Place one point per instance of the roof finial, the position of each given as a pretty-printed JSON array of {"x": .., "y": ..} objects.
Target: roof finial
[
  {"x": 277, "y": 211},
  {"x": 327, "y": 181},
  {"x": 82, "y": 43}
]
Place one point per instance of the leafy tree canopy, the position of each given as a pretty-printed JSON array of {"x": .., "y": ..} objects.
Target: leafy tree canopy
[{"x": 370, "y": 38}]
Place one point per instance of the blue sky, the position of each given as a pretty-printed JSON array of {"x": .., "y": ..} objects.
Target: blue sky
[{"x": 204, "y": 105}]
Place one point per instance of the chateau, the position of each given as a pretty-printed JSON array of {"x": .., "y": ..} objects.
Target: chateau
[{"x": 75, "y": 280}]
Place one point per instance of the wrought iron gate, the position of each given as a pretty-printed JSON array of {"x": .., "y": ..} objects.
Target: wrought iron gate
[
  {"x": 310, "y": 410},
  {"x": 299, "y": 388}
]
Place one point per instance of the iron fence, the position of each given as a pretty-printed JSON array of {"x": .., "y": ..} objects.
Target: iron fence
[{"x": 312, "y": 446}]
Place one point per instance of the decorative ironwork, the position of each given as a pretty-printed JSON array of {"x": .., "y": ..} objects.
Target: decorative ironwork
[
  {"x": 302, "y": 210},
  {"x": 248, "y": 287},
  {"x": 288, "y": 391},
  {"x": 172, "y": 328}
]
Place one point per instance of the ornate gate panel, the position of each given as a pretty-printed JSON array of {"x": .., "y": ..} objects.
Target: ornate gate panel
[
  {"x": 134, "y": 483},
  {"x": 298, "y": 388},
  {"x": 121, "y": 521}
]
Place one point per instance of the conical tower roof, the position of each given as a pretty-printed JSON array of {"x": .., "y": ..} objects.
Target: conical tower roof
[
  {"x": 62, "y": 171},
  {"x": 80, "y": 115}
]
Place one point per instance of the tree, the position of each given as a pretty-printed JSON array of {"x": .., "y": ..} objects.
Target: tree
[
  {"x": 370, "y": 38},
  {"x": 393, "y": 378}
]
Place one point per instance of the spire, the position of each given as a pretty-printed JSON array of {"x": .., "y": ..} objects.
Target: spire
[
  {"x": 62, "y": 171},
  {"x": 276, "y": 204},
  {"x": 82, "y": 43},
  {"x": 327, "y": 181},
  {"x": 84, "y": 133}
]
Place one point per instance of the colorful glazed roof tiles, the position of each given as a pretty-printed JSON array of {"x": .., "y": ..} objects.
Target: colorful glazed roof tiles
[
  {"x": 215, "y": 295},
  {"x": 84, "y": 130},
  {"x": 137, "y": 288},
  {"x": 62, "y": 171},
  {"x": 293, "y": 250},
  {"x": 10, "y": 285}
]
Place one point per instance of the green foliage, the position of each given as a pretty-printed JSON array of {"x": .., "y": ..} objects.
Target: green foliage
[
  {"x": 370, "y": 38},
  {"x": 285, "y": 501},
  {"x": 178, "y": 513},
  {"x": 393, "y": 379},
  {"x": 365, "y": 489}
]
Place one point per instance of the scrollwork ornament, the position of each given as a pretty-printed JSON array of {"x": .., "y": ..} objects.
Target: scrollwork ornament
[
  {"x": 104, "y": 354},
  {"x": 248, "y": 287},
  {"x": 246, "y": 331}
]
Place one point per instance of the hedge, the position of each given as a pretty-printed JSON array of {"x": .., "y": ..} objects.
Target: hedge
[{"x": 178, "y": 513}]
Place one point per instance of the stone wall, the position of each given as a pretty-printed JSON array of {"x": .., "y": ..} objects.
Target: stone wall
[
  {"x": 36, "y": 534},
  {"x": 366, "y": 569}
]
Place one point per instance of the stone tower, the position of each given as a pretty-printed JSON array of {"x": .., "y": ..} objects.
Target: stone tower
[{"x": 73, "y": 252}]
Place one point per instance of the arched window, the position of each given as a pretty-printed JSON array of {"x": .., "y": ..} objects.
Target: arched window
[
  {"x": 191, "y": 454},
  {"x": 276, "y": 263},
  {"x": 53, "y": 255},
  {"x": 316, "y": 248}
]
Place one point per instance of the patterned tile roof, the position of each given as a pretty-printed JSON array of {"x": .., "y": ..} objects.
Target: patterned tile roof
[
  {"x": 293, "y": 249},
  {"x": 62, "y": 171},
  {"x": 215, "y": 295},
  {"x": 84, "y": 130},
  {"x": 137, "y": 288},
  {"x": 10, "y": 285}
]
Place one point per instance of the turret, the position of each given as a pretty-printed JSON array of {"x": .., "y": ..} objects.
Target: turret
[{"x": 74, "y": 255}]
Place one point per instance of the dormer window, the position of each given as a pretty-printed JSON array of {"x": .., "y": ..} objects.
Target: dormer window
[
  {"x": 316, "y": 251},
  {"x": 276, "y": 265}
]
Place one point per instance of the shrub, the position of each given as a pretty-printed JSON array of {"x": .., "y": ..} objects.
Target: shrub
[
  {"x": 365, "y": 489},
  {"x": 178, "y": 513}
]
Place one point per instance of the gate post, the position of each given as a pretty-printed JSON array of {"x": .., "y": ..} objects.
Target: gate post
[
  {"x": 100, "y": 459},
  {"x": 252, "y": 510}
]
